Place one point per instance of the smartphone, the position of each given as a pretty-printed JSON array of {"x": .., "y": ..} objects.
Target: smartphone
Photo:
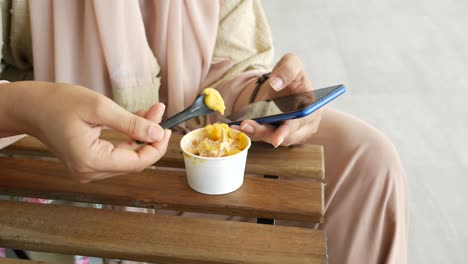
[{"x": 286, "y": 107}]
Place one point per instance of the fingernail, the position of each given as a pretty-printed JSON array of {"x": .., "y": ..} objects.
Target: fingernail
[
  {"x": 155, "y": 133},
  {"x": 247, "y": 128},
  {"x": 278, "y": 144},
  {"x": 276, "y": 83}
]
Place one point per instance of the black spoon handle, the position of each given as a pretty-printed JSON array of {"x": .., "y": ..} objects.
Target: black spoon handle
[
  {"x": 196, "y": 109},
  {"x": 174, "y": 120}
]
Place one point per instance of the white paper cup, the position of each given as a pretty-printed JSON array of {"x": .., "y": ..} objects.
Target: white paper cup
[{"x": 213, "y": 175}]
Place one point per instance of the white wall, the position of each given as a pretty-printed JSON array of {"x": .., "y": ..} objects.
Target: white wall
[{"x": 405, "y": 63}]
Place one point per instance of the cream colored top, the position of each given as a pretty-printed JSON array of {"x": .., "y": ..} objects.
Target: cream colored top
[{"x": 241, "y": 42}]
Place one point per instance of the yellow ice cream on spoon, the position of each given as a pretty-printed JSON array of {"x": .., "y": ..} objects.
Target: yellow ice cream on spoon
[{"x": 213, "y": 100}]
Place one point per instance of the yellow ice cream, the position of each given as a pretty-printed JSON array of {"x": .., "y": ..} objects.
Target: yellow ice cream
[
  {"x": 213, "y": 100},
  {"x": 220, "y": 141}
]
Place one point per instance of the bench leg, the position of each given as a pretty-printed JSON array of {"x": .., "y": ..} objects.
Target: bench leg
[{"x": 267, "y": 221}]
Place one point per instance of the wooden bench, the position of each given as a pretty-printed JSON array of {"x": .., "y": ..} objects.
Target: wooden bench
[
  {"x": 160, "y": 238},
  {"x": 19, "y": 261}
]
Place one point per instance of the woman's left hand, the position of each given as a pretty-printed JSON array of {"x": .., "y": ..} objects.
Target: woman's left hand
[{"x": 288, "y": 77}]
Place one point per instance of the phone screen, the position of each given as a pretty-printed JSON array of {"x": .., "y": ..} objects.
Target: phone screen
[{"x": 287, "y": 107}]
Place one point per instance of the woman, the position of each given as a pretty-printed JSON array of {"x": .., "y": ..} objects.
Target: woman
[{"x": 142, "y": 52}]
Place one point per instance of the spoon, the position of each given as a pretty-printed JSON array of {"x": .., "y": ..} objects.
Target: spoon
[{"x": 198, "y": 108}]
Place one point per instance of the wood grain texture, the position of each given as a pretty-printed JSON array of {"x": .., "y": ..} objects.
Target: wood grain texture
[
  {"x": 305, "y": 161},
  {"x": 258, "y": 197},
  {"x": 154, "y": 238},
  {"x": 20, "y": 261}
]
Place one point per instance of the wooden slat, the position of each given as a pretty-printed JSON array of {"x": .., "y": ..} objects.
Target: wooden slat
[
  {"x": 20, "y": 261},
  {"x": 258, "y": 197},
  {"x": 304, "y": 161},
  {"x": 154, "y": 238}
]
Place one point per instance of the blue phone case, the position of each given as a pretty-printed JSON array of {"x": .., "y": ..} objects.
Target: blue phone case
[{"x": 340, "y": 89}]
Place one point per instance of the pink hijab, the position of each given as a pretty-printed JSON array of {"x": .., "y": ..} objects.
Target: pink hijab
[{"x": 111, "y": 46}]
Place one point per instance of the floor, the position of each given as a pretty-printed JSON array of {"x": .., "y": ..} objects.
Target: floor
[{"x": 405, "y": 64}]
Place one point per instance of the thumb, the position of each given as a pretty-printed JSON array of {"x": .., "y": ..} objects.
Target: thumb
[
  {"x": 285, "y": 72},
  {"x": 130, "y": 124}
]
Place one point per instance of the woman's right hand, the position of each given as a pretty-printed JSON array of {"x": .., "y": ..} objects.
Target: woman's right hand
[{"x": 69, "y": 119}]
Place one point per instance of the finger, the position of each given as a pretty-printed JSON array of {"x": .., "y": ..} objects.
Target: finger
[
  {"x": 141, "y": 112},
  {"x": 285, "y": 72},
  {"x": 280, "y": 134},
  {"x": 236, "y": 127},
  {"x": 153, "y": 152},
  {"x": 130, "y": 144},
  {"x": 296, "y": 131},
  {"x": 300, "y": 136},
  {"x": 257, "y": 131},
  {"x": 112, "y": 115},
  {"x": 156, "y": 112},
  {"x": 288, "y": 133},
  {"x": 120, "y": 160},
  {"x": 161, "y": 145}
]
